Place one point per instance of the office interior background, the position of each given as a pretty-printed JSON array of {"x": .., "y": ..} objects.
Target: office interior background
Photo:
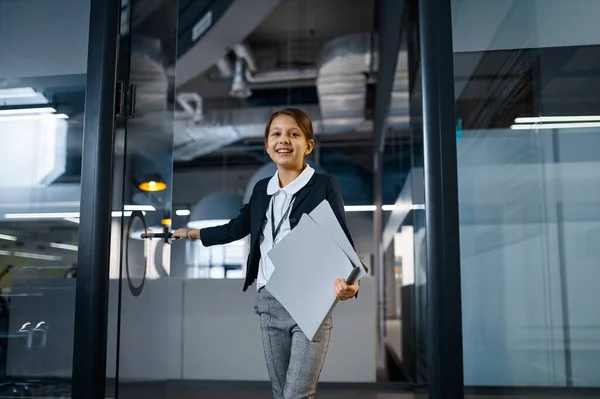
[{"x": 481, "y": 230}]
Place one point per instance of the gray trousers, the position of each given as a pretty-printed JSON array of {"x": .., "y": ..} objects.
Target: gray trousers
[{"x": 294, "y": 363}]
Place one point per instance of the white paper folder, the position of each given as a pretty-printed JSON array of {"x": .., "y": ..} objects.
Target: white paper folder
[{"x": 307, "y": 263}]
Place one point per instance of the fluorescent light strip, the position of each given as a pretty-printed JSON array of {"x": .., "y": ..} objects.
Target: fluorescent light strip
[
  {"x": 49, "y": 215},
  {"x": 70, "y": 216},
  {"x": 347, "y": 208},
  {"x": 360, "y": 208},
  {"x": 21, "y": 111},
  {"x": 7, "y": 237},
  {"x": 139, "y": 208},
  {"x": 73, "y": 216},
  {"x": 18, "y": 92},
  {"x": 31, "y": 256},
  {"x": 67, "y": 247},
  {"x": 118, "y": 214},
  {"x": 555, "y": 126},
  {"x": 33, "y": 116},
  {"x": 413, "y": 207},
  {"x": 36, "y": 256},
  {"x": 545, "y": 119},
  {"x": 40, "y": 204},
  {"x": 371, "y": 208}
]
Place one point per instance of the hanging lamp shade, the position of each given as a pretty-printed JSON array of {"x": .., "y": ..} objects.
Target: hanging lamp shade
[
  {"x": 214, "y": 209},
  {"x": 267, "y": 170}
]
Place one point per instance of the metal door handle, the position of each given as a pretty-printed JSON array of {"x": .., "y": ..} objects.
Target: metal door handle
[{"x": 157, "y": 235}]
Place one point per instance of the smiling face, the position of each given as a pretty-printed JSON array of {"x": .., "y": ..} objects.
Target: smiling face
[{"x": 286, "y": 143}]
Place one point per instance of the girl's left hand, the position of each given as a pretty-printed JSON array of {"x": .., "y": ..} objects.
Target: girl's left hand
[{"x": 343, "y": 290}]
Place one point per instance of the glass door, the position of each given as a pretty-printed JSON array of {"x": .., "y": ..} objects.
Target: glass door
[
  {"x": 139, "y": 342},
  {"x": 43, "y": 74}
]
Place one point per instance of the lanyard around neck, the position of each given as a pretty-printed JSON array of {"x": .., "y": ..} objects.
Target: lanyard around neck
[{"x": 275, "y": 231}]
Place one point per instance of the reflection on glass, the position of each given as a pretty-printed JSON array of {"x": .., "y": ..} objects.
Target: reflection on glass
[
  {"x": 404, "y": 234},
  {"x": 528, "y": 171},
  {"x": 139, "y": 327},
  {"x": 222, "y": 261},
  {"x": 42, "y": 95}
]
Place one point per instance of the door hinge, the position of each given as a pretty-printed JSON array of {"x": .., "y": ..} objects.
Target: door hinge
[{"x": 120, "y": 99}]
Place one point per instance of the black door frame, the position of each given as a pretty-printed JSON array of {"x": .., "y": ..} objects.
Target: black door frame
[
  {"x": 444, "y": 318},
  {"x": 91, "y": 303}
]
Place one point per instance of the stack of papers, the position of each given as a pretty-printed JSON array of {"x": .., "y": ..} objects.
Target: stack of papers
[{"x": 307, "y": 263}]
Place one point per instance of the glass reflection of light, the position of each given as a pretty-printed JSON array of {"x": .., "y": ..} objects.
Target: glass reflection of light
[
  {"x": 37, "y": 144},
  {"x": 31, "y": 255}
]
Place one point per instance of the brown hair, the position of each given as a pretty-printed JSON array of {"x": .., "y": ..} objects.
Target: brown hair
[{"x": 301, "y": 118}]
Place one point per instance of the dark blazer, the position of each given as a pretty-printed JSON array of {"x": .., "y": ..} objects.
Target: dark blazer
[{"x": 254, "y": 214}]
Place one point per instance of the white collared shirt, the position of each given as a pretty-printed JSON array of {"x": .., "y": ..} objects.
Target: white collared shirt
[{"x": 280, "y": 201}]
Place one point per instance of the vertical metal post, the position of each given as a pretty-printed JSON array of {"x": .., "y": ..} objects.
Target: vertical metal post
[
  {"x": 389, "y": 26},
  {"x": 91, "y": 303},
  {"x": 377, "y": 252},
  {"x": 444, "y": 345}
]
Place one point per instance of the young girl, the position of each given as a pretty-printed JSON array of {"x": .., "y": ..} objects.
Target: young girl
[{"x": 294, "y": 363}]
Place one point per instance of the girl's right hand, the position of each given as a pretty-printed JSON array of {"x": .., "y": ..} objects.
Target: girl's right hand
[
  {"x": 179, "y": 234},
  {"x": 191, "y": 234}
]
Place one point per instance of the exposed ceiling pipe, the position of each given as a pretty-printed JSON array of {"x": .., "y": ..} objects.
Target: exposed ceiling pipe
[
  {"x": 224, "y": 66},
  {"x": 243, "y": 51},
  {"x": 282, "y": 75},
  {"x": 184, "y": 100},
  {"x": 239, "y": 86}
]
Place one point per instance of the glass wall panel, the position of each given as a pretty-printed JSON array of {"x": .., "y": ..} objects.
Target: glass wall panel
[
  {"x": 43, "y": 63},
  {"x": 526, "y": 80},
  {"x": 404, "y": 231}
]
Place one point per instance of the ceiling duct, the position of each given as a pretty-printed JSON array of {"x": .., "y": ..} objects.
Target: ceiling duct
[
  {"x": 345, "y": 67},
  {"x": 149, "y": 74}
]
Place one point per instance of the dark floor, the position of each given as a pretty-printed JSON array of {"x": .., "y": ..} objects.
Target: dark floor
[
  {"x": 258, "y": 393},
  {"x": 260, "y": 390},
  {"x": 225, "y": 390}
]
